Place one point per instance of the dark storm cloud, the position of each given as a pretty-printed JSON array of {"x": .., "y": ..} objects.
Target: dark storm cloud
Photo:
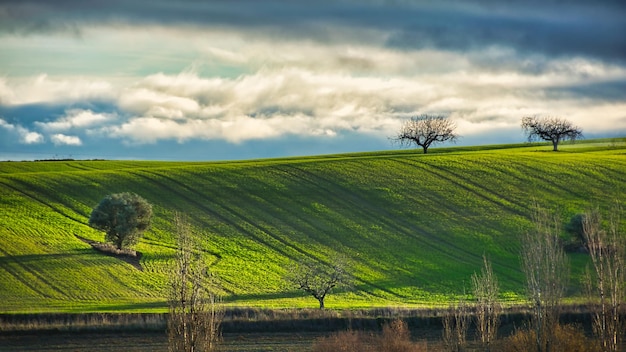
[
  {"x": 553, "y": 28},
  {"x": 610, "y": 92},
  {"x": 581, "y": 36}
]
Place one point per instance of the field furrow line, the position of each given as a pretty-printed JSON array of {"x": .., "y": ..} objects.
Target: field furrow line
[
  {"x": 35, "y": 273},
  {"x": 462, "y": 182},
  {"x": 39, "y": 200},
  {"x": 544, "y": 181},
  {"x": 390, "y": 221},
  {"x": 212, "y": 212},
  {"x": 356, "y": 202}
]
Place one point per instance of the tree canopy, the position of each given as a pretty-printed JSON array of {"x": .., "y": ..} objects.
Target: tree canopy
[
  {"x": 425, "y": 130},
  {"x": 318, "y": 279},
  {"x": 553, "y": 129},
  {"x": 123, "y": 217}
]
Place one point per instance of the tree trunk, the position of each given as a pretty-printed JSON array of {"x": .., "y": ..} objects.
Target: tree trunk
[
  {"x": 321, "y": 300},
  {"x": 555, "y": 145},
  {"x": 425, "y": 149}
]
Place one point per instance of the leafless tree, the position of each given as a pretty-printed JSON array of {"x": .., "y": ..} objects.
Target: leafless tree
[
  {"x": 551, "y": 129},
  {"x": 455, "y": 325},
  {"x": 547, "y": 271},
  {"x": 318, "y": 279},
  {"x": 487, "y": 317},
  {"x": 195, "y": 310},
  {"x": 607, "y": 250},
  {"x": 425, "y": 130}
]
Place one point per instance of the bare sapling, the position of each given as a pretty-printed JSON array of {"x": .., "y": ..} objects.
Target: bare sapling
[
  {"x": 487, "y": 310},
  {"x": 455, "y": 326},
  {"x": 605, "y": 282},
  {"x": 195, "y": 310},
  {"x": 546, "y": 268}
]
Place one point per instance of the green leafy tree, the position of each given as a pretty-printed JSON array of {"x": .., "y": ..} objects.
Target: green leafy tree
[
  {"x": 575, "y": 228},
  {"x": 123, "y": 217}
]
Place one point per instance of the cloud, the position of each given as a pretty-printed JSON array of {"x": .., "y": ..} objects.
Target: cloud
[
  {"x": 551, "y": 28},
  {"x": 77, "y": 119},
  {"x": 25, "y": 136},
  {"x": 263, "y": 105},
  {"x": 42, "y": 89},
  {"x": 241, "y": 73},
  {"x": 61, "y": 139},
  {"x": 298, "y": 100}
]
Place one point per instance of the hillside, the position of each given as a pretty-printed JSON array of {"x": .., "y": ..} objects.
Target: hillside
[{"x": 413, "y": 226}]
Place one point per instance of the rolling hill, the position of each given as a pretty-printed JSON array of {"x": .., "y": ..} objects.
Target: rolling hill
[{"x": 413, "y": 227}]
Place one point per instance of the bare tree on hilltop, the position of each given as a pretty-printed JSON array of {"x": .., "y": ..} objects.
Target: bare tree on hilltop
[
  {"x": 553, "y": 129},
  {"x": 425, "y": 130}
]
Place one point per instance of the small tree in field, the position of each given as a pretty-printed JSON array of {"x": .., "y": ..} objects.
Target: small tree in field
[
  {"x": 551, "y": 129},
  {"x": 123, "y": 217},
  {"x": 547, "y": 271},
  {"x": 425, "y": 130},
  {"x": 456, "y": 321},
  {"x": 485, "y": 288},
  {"x": 318, "y": 279},
  {"x": 195, "y": 310},
  {"x": 607, "y": 250}
]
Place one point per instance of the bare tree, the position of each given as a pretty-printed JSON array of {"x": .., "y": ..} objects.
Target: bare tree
[
  {"x": 425, "y": 130},
  {"x": 318, "y": 279},
  {"x": 195, "y": 310},
  {"x": 488, "y": 309},
  {"x": 551, "y": 129},
  {"x": 455, "y": 325},
  {"x": 607, "y": 250},
  {"x": 547, "y": 271}
]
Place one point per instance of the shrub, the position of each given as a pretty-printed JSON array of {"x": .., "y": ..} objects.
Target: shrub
[
  {"x": 345, "y": 341},
  {"x": 395, "y": 337},
  {"x": 567, "y": 338}
]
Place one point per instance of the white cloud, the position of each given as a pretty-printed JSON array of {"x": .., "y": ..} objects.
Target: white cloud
[
  {"x": 156, "y": 103},
  {"x": 297, "y": 101},
  {"x": 61, "y": 139},
  {"x": 6, "y": 125},
  {"x": 307, "y": 88},
  {"x": 43, "y": 89},
  {"x": 78, "y": 119},
  {"x": 29, "y": 137},
  {"x": 25, "y": 136}
]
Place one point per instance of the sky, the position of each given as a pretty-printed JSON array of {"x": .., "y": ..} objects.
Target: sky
[{"x": 247, "y": 79}]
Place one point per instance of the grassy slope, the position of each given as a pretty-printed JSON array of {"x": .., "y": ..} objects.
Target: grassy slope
[{"x": 413, "y": 226}]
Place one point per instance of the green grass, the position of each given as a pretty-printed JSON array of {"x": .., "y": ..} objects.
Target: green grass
[{"x": 413, "y": 227}]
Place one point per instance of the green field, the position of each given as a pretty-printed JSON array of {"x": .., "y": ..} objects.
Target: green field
[{"x": 413, "y": 227}]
